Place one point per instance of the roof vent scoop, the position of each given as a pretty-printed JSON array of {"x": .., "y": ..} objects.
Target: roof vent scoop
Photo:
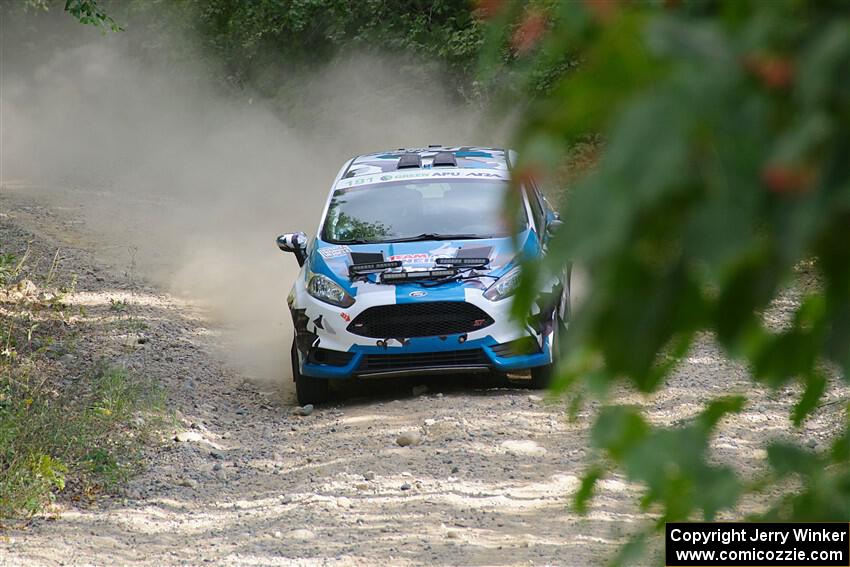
[
  {"x": 444, "y": 159},
  {"x": 409, "y": 160}
]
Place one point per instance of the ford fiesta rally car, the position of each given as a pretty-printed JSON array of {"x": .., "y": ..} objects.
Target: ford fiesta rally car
[{"x": 412, "y": 272}]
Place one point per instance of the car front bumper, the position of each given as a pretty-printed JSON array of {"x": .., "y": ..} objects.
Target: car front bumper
[
  {"x": 425, "y": 355},
  {"x": 328, "y": 349}
]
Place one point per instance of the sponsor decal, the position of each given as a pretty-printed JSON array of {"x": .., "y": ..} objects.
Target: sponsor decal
[
  {"x": 479, "y": 322},
  {"x": 345, "y": 316},
  {"x": 333, "y": 251},
  {"x": 360, "y": 181},
  {"x": 418, "y": 175},
  {"x": 371, "y": 179},
  {"x": 419, "y": 258},
  {"x": 418, "y": 293}
]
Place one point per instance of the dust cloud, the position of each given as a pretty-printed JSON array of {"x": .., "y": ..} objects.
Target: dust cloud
[{"x": 186, "y": 185}]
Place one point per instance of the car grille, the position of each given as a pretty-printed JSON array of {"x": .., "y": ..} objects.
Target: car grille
[
  {"x": 421, "y": 319},
  {"x": 446, "y": 359}
]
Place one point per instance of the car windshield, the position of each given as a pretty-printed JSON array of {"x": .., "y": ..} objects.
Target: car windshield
[{"x": 418, "y": 210}]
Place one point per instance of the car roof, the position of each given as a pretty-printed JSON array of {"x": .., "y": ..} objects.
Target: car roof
[{"x": 465, "y": 157}]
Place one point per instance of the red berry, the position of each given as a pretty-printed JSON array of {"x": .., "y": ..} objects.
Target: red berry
[
  {"x": 774, "y": 71},
  {"x": 529, "y": 32}
]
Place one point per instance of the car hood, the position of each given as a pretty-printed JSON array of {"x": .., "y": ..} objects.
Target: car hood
[{"x": 333, "y": 260}]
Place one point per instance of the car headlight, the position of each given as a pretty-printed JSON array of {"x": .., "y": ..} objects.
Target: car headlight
[
  {"x": 504, "y": 286},
  {"x": 327, "y": 290}
]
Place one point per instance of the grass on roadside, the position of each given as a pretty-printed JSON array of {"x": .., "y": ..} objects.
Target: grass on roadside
[
  {"x": 77, "y": 432},
  {"x": 82, "y": 439}
]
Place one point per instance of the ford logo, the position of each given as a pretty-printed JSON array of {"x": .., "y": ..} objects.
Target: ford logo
[{"x": 418, "y": 293}]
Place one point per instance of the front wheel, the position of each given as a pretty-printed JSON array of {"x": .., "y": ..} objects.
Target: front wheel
[
  {"x": 541, "y": 377},
  {"x": 308, "y": 390}
]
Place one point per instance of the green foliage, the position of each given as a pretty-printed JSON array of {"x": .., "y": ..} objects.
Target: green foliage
[
  {"x": 824, "y": 479},
  {"x": 90, "y": 13},
  {"x": 682, "y": 481},
  {"x": 63, "y": 428},
  {"x": 724, "y": 169},
  {"x": 267, "y": 44},
  {"x": 28, "y": 483},
  {"x": 7, "y": 267},
  {"x": 78, "y": 436}
]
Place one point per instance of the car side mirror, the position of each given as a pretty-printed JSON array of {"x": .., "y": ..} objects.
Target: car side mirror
[
  {"x": 553, "y": 225},
  {"x": 295, "y": 242}
]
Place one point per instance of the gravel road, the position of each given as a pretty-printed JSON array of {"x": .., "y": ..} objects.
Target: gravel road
[{"x": 242, "y": 480}]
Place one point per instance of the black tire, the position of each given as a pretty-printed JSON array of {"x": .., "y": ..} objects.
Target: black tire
[
  {"x": 308, "y": 390},
  {"x": 541, "y": 377}
]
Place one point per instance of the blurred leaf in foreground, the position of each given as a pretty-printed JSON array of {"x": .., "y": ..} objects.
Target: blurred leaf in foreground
[{"x": 724, "y": 167}]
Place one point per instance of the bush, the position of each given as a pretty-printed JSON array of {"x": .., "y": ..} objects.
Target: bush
[{"x": 84, "y": 438}]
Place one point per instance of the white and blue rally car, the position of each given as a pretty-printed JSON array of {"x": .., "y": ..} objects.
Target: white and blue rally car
[{"x": 413, "y": 268}]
